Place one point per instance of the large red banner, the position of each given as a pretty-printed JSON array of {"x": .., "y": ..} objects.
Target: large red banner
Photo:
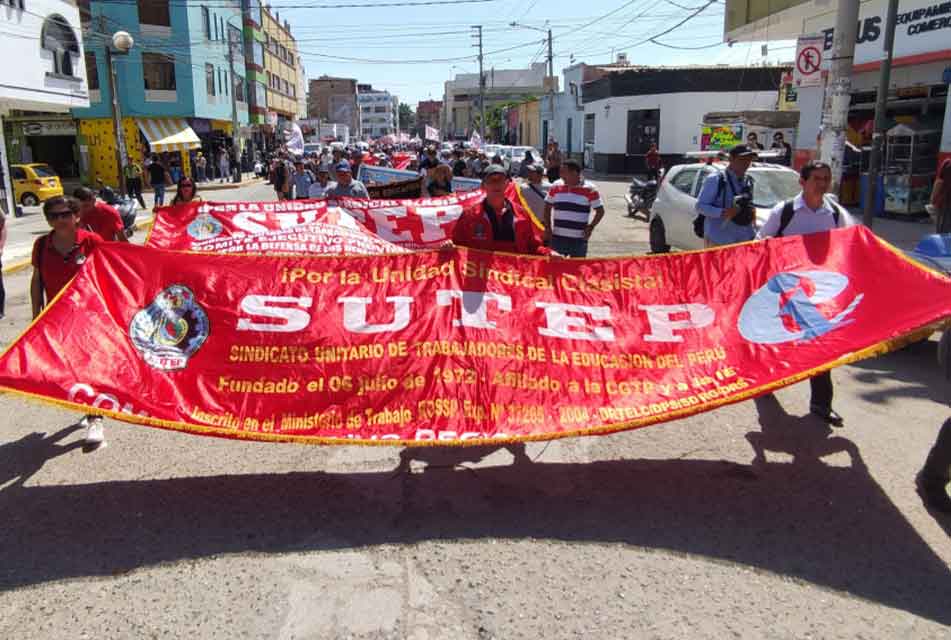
[
  {"x": 459, "y": 346},
  {"x": 414, "y": 224}
]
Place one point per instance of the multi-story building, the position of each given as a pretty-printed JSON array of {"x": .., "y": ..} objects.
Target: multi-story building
[
  {"x": 461, "y": 108},
  {"x": 428, "y": 113},
  {"x": 378, "y": 112},
  {"x": 179, "y": 88},
  {"x": 44, "y": 74},
  {"x": 280, "y": 69},
  {"x": 334, "y": 100},
  {"x": 254, "y": 62}
]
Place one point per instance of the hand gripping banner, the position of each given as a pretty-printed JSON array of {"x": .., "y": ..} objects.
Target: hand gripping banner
[{"x": 457, "y": 346}]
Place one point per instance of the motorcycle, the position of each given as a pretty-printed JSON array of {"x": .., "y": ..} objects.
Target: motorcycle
[
  {"x": 125, "y": 205},
  {"x": 640, "y": 197}
]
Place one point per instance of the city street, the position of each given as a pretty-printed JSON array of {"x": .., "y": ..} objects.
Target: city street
[{"x": 666, "y": 532}]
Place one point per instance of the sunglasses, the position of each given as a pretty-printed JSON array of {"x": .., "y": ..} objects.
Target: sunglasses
[{"x": 56, "y": 215}]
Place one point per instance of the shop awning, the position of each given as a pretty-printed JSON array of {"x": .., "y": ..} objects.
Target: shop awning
[{"x": 168, "y": 134}]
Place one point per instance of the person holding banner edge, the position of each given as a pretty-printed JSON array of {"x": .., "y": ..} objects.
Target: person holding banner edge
[
  {"x": 811, "y": 212},
  {"x": 57, "y": 257}
]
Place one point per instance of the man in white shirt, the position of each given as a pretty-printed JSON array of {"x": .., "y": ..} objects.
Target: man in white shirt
[{"x": 812, "y": 211}]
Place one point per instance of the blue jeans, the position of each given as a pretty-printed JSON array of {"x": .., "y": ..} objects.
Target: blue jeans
[
  {"x": 570, "y": 247},
  {"x": 159, "y": 194}
]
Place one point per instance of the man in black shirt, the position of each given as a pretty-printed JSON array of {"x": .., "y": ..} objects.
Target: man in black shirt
[{"x": 158, "y": 176}]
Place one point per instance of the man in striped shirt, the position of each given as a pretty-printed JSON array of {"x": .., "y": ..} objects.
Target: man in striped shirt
[{"x": 568, "y": 205}]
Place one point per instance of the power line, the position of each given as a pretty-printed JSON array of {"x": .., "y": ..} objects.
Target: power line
[{"x": 227, "y": 4}]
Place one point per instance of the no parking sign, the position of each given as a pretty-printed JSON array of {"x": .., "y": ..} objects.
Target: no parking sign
[{"x": 807, "y": 72}]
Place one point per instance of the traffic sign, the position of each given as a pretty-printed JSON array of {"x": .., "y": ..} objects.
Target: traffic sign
[{"x": 808, "y": 71}]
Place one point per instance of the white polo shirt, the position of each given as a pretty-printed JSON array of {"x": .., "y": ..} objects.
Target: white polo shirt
[{"x": 804, "y": 219}]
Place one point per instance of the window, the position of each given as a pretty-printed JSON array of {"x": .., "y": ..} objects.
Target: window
[
  {"x": 154, "y": 12},
  {"x": 238, "y": 88},
  {"x": 17, "y": 173},
  {"x": 217, "y": 32},
  {"x": 58, "y": 38},
  {"x": 206, "y": 22},
  {"x": 159, "y": 71},
  {"x": 210, "y": 79},
  {"x": 92, "y": 71},
  {"x": 683, "y": 181},
  {"x": 257, "y": 53}
]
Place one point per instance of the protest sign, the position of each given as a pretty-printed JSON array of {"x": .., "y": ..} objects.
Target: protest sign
[{"x": 383, "y": 175}]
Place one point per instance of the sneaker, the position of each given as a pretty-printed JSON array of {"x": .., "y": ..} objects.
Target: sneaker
[
  {"x": 95, "y": 433},
  {"x": 933, "y": 493}
]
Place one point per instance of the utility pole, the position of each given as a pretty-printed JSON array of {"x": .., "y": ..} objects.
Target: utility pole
[
  {"x": 478, "y": 29},
  {"x": 838, "y": 93},
  {"x": 236, "y": 170},
  {"x": 881, "y": 102},
  {"x": 551, "y": 92}
]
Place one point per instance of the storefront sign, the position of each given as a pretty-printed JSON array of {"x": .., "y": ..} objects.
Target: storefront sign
[
  {"x": 50, "y": 128},
  {"x": 724, "y": 136},
  {"x": 460, "y": 346}
]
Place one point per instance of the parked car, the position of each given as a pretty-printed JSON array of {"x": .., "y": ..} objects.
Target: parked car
[
  {"x": 674, "y": 209},
  {"x": 34, "y": 183},
  {"x": 517, "y": 154}
]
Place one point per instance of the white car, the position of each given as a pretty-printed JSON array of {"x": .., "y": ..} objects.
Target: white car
[{"x": 674, "y": 209}]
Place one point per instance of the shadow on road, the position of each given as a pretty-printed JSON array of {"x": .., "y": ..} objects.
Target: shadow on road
[
  {"x": 831, "y": 526},
  {"x": 21, "y": 459},
  {"x": 915, "y": 367}
]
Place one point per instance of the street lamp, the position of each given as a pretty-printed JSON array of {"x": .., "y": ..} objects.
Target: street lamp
[{"x": 122, "y": 43}]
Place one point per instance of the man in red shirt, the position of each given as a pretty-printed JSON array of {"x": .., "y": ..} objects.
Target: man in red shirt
[
  {"x": 99, "y": 217},
  {"x": 493, "y": 226}
]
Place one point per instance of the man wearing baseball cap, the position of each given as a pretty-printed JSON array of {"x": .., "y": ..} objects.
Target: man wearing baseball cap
[
  {"x": 346, "y": 186},
  {"x": 320, "y": 188},
  {"x": 727, "y": 219},
  {"x": 492, "y": 225}
]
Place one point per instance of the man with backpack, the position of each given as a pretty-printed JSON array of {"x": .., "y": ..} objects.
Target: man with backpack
[
  {"x": 725, "y": 203},
  {"x": 811, "y": 212}
]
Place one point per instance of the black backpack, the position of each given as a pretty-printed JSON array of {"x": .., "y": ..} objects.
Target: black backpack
[
  {"x": 699, "y": 220},
  {"x": 789, "y": 212}
]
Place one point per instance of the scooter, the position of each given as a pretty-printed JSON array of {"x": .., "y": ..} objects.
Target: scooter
[
  {"x": 640, "y": 197},
  {"x": 124, "y": 205}
]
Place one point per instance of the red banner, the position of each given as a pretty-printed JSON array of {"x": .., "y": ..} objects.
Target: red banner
[
  {"x": 402, "y": 160},
  {"x": 414, "y": 224},
  {"x": 461, "y": 346}
]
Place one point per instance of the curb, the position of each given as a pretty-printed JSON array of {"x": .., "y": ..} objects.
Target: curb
[{"x": 22, "y": 264}]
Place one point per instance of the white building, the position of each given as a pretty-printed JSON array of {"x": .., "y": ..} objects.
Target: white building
[
  {"x": 626, "y": 111},
  {"x": 44, "y": 69},
  {"x": 378, "y": 112}
]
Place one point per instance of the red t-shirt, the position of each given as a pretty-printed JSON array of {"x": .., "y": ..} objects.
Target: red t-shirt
[
  {"x": 102, "y": 220},
  {"x": 56, "y": 269}
]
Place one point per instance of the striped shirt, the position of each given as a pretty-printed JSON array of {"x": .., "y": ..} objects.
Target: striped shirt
[{"x": 571, "y": 208}]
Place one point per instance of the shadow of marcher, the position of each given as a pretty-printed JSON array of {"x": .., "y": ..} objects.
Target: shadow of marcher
[
  {"x": 21, "y": 459},
  {"x": 806, "y": 439}
]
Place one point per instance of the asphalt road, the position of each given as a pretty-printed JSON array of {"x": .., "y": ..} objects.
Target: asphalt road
[{"x": 665, "y": 532}]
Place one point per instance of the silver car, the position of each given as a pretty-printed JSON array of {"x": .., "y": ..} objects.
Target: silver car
[{"x": 674, "y": 209}]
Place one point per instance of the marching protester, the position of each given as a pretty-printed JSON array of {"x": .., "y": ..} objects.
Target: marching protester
[
  {"x": 201, "y": 167},
  {"x": 493, "y": 225},
  {"x": 303, "y": 178},
  {"x": 811, "y": 212},
  {"x": 224, "y": 165},
  {"x": 438, "y": 182},
  {"x": 133, "y": 181},
  {"x": 941, "y": 198},
  {"x": 320, "y": 188},
  {"x": 158, "y": 179},
  {"x": 57, "y": 257},
  {"x": 458, "y": 164},
  {"x": 356, "y": 159},
  {"x": 527, "y": 161},
  {"x": 935, "y": 476},
  {"x": 727, "y": 219},
  {"x": 554, "y": 160},
  {"x": 186, "y": 192},
  {"x": 99, "y": 217},
  {"x": 346, "y": 185},
  {"x": 568, "y": 205},
  {"x": 534, "y": 189},
  {"x": 281, "y": 178}
]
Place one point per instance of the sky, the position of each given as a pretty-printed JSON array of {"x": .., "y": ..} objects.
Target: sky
[{"x": 412, "y": 50}]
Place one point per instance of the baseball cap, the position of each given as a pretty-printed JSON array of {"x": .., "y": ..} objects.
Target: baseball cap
[
  {"x": 493, "y": 169},
  {"x": 741, "y": 151},
  {"x": 343, "y": 166}
]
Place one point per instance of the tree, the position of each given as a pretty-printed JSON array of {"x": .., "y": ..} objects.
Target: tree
[{"x": 407, "y": 117}]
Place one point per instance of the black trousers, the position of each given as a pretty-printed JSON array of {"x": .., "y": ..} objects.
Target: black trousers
[
  {"x": 939, "y": 459},
  {"x": 821, "y": 386},
  {"x": 134, "y": 187}
]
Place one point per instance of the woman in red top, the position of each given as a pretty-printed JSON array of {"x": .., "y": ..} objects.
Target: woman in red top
[{"x": 57, "y": 257}]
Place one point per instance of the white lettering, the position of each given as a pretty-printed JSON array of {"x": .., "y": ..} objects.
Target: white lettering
[
  {"x": 663, "y": 327},
  {"x": 474, "y": 305},
  {"x": 561, "y": 325},
  {"x": 292, "y": 319},
  {"x": 355, "y": 314}
]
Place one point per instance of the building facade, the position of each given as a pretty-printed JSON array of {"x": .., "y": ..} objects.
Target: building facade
[
  {"x": 562, "y": 113},
  {"x": 428, "y": 113},
  {"x": 180, "y": 87},
  {"x": 280, "y": 69},
  {"x": 37, "y": 90},
  {"x": 253, "y": 16},
  {"x": 334, "y": 100},
  {"x": 378, "y": 112}
]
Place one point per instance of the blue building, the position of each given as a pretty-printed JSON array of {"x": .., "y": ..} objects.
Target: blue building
[{"x": 175, "y": 87}]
